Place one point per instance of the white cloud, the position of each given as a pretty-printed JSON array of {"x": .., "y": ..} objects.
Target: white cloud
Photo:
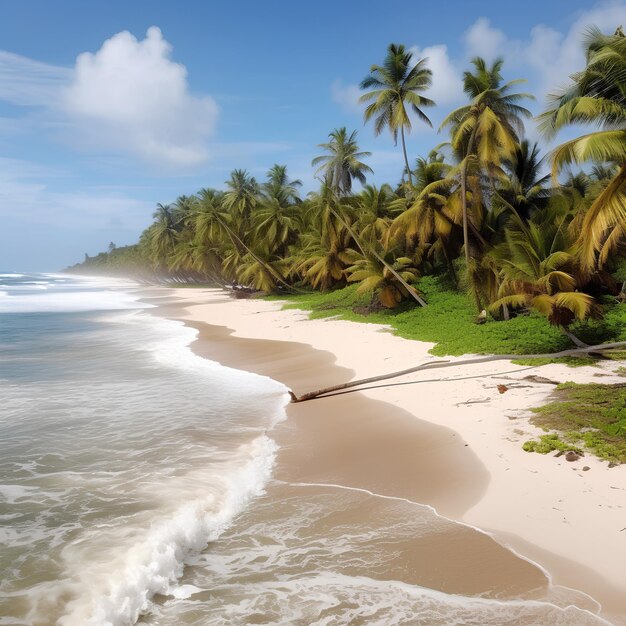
[
  {"x": 546, "y": 55},
  {"x": 447, "y": 86},
  {"x": 482, "y": 40},
  {"x": 346, "y": 96},
  {"x": 555, "y": 55},
  {"x": 26, "y": 82},
  {"x": 131, "y": 95}
]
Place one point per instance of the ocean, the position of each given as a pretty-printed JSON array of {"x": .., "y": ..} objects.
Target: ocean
[
  {"x": 122, "y": 453},
  {"x": 137, "y": 486}
]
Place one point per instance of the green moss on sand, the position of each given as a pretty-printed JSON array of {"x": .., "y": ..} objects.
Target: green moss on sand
[{"x": 591, "y": 416}]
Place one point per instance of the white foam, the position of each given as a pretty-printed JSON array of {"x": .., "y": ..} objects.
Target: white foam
[
  {"x": 11, "y": 493},
  {"x": 116, "y": 587},
  {"x": 172, "y": 349},
  {"x": 329, "y": 598},
  {"x": 66, "y": 293},
  {"x": 67, "y": 301}
]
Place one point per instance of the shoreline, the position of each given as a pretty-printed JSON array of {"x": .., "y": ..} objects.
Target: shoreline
[{"x": 464, "y": 461}]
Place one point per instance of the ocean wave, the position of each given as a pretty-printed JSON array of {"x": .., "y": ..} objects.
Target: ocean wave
[
  {"x": 67, "y": 301},
  {"x": 113, "y": 580}
]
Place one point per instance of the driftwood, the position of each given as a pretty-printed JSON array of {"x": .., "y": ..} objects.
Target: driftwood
[{"x": 311, "y": 395}]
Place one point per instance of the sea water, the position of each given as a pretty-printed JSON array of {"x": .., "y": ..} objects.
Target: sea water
[
  {"x": 122, "y": 454},
  {"x": 136, "y": 486}
]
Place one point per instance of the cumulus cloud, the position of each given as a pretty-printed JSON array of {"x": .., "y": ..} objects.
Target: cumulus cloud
[
  {"x": 346, "y": 96},
  {"x": 447, "y": 86},
  {"x": 129, "y": 97},
  {"x": 483, "y": 40},
  {"x": 131, "y": 94},
  {"x": 555, "y": 55},
  {"x": 548, "y": 55}
]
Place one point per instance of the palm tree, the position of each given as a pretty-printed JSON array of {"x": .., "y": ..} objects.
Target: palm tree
[
  {"x": 323, "y": 258},
  {"x": 596, "y": 97},
  {"x": 373, "y": 210},
  {"x": 162, "y": 234},
  {"x": 394, "y": 85},
  {"x": 343, "y": 164},
  {"x": 275, "y": 225},
  {"x": 242, "y": 195},
  {"x": 539, "y": 271},
  {"x": 524, "y": 188},
  {"x": 484, "y": 134},
  {"x": 280, "y": 188},
  {"x": 375, "y": 277},
  {"x": 432, "y": 217}
]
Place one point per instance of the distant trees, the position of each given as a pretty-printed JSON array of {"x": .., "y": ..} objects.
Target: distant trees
[{"x": 480, "y": 208}]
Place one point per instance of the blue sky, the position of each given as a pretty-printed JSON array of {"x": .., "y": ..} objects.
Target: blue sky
[{"x": 108, "y": 108}]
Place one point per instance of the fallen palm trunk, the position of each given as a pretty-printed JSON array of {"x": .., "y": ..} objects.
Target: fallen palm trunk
[{"x": 311, "y": 395}]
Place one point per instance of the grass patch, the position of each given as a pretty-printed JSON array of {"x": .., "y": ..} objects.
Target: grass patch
[
  {"x": 592, "y": 416},
  {"x": 548, "y": 443},
  {"x": 449, "y": 322}
]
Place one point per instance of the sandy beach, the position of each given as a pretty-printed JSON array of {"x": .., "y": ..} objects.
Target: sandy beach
[{"x": 454, "y": 445}]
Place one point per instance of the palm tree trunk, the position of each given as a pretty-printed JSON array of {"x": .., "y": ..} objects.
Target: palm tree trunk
[
  {"x": 399, "y": 278},
  {"x": 466, "y": 225},
  {"x": 268, "y": 268},
  {"x": 464, "y": 210},
  {"x": 575, "y": 340},
  {"x": 406, "y": 159},
  {"x": 450, "y": 265},
  {"x": 444, "y": 364}
]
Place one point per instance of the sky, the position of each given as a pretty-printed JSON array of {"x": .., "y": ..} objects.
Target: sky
[{"x": 108, "y": 108}]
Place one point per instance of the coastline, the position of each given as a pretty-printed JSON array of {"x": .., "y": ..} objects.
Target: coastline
[{"x": 453, "y": 433}]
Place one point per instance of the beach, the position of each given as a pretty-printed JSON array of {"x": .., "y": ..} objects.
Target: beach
[{"x": 546, "y": 526}]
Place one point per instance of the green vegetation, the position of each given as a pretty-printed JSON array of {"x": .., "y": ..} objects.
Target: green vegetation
[
  {"x": 549, "y": 443},
  {"x": 591, "y": 417},
  {"x": 449, "y": 321},
  {"x": 476, "y": 227}
]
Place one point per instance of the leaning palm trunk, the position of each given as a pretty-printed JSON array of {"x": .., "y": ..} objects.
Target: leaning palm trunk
[
  {"x": 396, "y": 275},
  {"x": 575, "y": 340},
  {"x": 266, "y": 266},
  {"x": 442, "y": 364}
]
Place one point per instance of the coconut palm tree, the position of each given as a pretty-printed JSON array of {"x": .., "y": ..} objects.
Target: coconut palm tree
[
  {"x": 343, "y": 162},
  {"x": 524, "y": 188},
  {"x": 373, "y": 211},
  {"x": 162, "y": 234},
  {"x": 485, "y": 134},
  {"x": 276, "y": 225},
  {"x": 539, "y": 271},
  {"x": 396, "y": 86},
  {"x": 375, "y": 277},
  {"x": 430, "y": 220},
  {"x": 280, "y": 187},
  {"x": 596, "y": 97},
  {"x": 242, "y": 195}
]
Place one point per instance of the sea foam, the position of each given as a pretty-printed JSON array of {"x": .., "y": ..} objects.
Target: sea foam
[{"x": 114, "y": 581}]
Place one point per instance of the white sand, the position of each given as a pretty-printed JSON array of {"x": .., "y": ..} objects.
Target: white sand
[{"x": 540, "y": 505}]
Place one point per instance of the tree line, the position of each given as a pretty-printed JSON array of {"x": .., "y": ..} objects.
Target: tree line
[{"x": 516, "y": 229}]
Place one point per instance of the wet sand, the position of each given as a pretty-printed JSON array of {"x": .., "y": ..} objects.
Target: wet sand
[{"x": 384, "y": 457}]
